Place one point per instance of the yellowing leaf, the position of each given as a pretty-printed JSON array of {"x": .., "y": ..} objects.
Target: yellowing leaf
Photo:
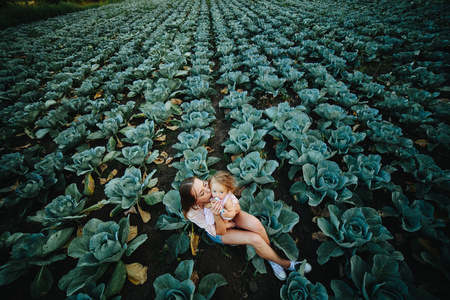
[
  {"x": 194, "y": 243},
  {"x": 422, "y": 143},
  {"x": 133, "y": 233},
  {"x": 159, "y": 161},
  {"x": 176, "y": 101},
  {"x": 136, "y": 273},
  {"x": 224, "y": 91},
  {"x": 145, "y": 215},
  {"x": 119, "y": 143},
  {"x": 319, "y": 236},
  {"x": 98, "y": 94},
  {"x": 173, "y": 128},
  {"x": 80, "y": 231},
  {"x": 103, "y": 167},
  {"x": 89, "y": 185},
  {"x": 194, "y": 277},
  {"x": 209, "y": 149},
  {"x": 110, "y": 176},
  {"x": 169, "y": 160},
  {"x": 161, "y": 138}
]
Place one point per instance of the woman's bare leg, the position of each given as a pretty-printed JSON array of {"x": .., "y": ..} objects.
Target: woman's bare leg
[
  {"x": 242, "y": 237},
  {"x": 249, "y": 222}
]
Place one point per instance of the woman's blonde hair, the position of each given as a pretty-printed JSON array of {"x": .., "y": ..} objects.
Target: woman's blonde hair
[{"x": 226, "y": 179}]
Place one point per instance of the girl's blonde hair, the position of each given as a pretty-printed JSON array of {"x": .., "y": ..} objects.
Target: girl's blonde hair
[{"x": 226, "y": 179}]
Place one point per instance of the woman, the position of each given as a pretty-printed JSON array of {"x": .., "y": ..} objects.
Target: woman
[{"x": 195, "y": 193}]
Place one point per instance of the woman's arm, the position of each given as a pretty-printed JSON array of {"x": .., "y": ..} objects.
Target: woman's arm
[{"x": 216, "y": 207}]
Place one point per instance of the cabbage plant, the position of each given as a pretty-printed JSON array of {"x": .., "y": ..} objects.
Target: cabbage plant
[
  {"x": 427, "y": 174},
  {"x": 197, "y": 114},
  {"x": 181, "y": 286},
  {"x": 159, "y": 111},
  {"x": 324, "y": 180},
  {"x": 72, "y": 137},
  {"x": 192, "y": 139},
  {"x": 245, "y": 138},
  {"x": 253, "y": 169},
  {"x": 271, "y": 83},
  {"x": 417, "y": 216},
  {"x": 138, "y": 155},
  {"x": 12, "y": 165},
  {"x": 63, "y": 209},
  {"x": 358, "y": 229},
  {"x": 87, "y": 161},
  {"x": 236, "y": 100},
  {"x": 109, "y": 127},
  {"x": 126, "y": 191},
  {"x": 298, "y": 287},
  {"x": 141, "y": 134},
  {"x": 233, "y": 79},
  {"x": 332, "y": 115},
  {"x": 308, "y": 148},
  {"x": 178, "y": 243},
  {"x": 382, "y": 278},
  {"x": 32, "y": 250},
  {"x": 364, "y": 113},
  {"x": 369, "y": 171},
  {"x": 196, "y": 162},
  {"x": 387, "y": 137},
  {"x": 247, "y": 113},
  {"x": 101, "y": 244},
  {"x": 344, "y": 140},
  {"x": 438, "y": 136},
  {"x": 92, "y": 292},
  {"x": 277, "y": 218}
]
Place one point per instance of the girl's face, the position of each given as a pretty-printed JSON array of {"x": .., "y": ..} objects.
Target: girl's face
[
  {"x": 218, "y": 190},
  {"x": 201, "y": 191}
]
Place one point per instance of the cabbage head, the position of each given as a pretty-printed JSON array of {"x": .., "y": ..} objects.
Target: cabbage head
[
  {"x": 192, "y": 139},
  {"x": 324, "y": 180},
  {"x": 253, "y": 169},
  {"x": 109, "y": 127},
  {"x": 368, "y": 170},
  {"x": 141, "y": 134},
  {"x": 245, "y": 138},
  {"x": 127, "y": 190},
  {"x": 102, "y": 243},
  {"x": 298, "y": 287},
  {"x": 355, "y": 229},
  {"x": 247, "y": 113},
  {"x": 12, "y": 165},
  {"x": 72, "y": 137},
  {"x": 387, "y": 137},
  {"x": 62, "y": 209},
  {"x": 196, "y": 162},
  {"x": 235, "y": 100},
  {"x": 87, "y": 161},
  {"x": 344, "y": 140},
  {"x": 308, "y": 148},
  {"x": 181, "y": 286},
  {"x": 138, "y": 155}
]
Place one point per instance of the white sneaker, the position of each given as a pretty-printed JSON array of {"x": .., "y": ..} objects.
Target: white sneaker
[
  {"x": 292, "y": 267},
  {"x": 278, "y": 270}
]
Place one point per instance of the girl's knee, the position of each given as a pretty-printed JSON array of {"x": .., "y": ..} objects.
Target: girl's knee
[{"x": 256, "y": 240}]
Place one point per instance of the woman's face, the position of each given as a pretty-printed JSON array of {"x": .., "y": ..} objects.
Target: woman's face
[{"x": 201, "y": 191}]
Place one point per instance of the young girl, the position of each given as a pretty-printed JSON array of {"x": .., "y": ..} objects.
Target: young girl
[{"x": 222, "y": 187}]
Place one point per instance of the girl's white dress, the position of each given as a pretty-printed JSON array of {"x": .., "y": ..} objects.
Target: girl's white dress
[{"x": 209, "y": 217}]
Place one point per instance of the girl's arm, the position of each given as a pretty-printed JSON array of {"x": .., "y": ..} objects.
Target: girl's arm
[{"x": 230, "y": 210}]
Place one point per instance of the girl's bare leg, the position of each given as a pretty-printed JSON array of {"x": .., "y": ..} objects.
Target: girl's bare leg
[
  {"x": 263, "y": 249},
  {"x": 249, "y": 222}
]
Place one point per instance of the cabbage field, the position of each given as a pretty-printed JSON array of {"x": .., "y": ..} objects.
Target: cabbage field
[{"x": 332, "y": 116}]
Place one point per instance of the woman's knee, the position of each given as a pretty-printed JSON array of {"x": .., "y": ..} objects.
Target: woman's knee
[{"x": 256, "y": 240}]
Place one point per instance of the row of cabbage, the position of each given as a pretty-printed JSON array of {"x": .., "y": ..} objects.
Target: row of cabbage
[
  {"x": 249, "y": 51},
  {"x": 336, "y": 170}
]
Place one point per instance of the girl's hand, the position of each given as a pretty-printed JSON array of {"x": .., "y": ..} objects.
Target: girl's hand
[{"x": 216, "y": 207}]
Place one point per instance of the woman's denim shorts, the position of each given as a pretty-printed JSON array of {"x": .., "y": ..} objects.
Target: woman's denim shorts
[{"x": 217, "y": 239}]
